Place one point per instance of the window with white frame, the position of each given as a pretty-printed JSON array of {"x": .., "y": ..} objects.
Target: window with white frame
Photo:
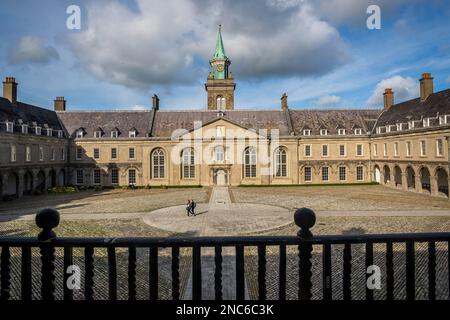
[
  {"x": 426, "y": 122},
  {"x": 97, "y": 176},
  {"x": 97, "y": 134},
  {"x": 358, "y": 132},
  {"x": 410, "y": 125},
  {"x": 25, "y": 129},
  {"x": 375, "y": 150},
  {"x": 342, "y": 150},
  {"x": 158, "y": 164},
  {"x": 79, "y": 177},
  {"x": 38, "y": 131},
  {"x": 439, "y": 148},
  {"x": 114, "y": 154},
  {"x": 250, "y": 162},
  {"x": 399, "y": 126},
  {"x": 306, "y": 132},
  {"x": 52, "y": 154},
  {"x": 80, "y": 134},
  {"x": 385, "y": 150},
  {"x": 131, "y": 153},
  {"x": 325, "y": 174},
  {"x": 188, "y": 163},
  {"x": 423, "y": 148},
  {"x": 395, "y": 149},
  {"x": 114, "y": 134},
  {"x": 308, "y": 150},
  {"x": 28, "y": 153},
  {"x": 13, "y": 157},
  {"x": 324, "y": 150},
  {"x": 79, "y": 153},
  {"x": 442, "y": 120},
  {"x": 359, "y": 150},
  {"x": 378, "y": 130},
  {"x": 341, "y": 132},
  {"x": 132, "y": 177},
  {"x": 9, "y": 127},
  {"x": 388, "y": 128},
  {"x": 280, "y": 162},
  {"x": 408, "y": 148},
  {"x": 359, "y": 173},
  {"x": 114, "y": 176},
  {"x": 132, "y": 134},
  {"x": 342, "y": 174},
  {"x": 60, "y": 134},
  {"x": 220, "y": 103},
  {"x": 49, "y": 132},
  {"x": 220, "y": 131},
  {"x": 323, "y": 132},
  {"x": 41, "y": 153},
  {"x": 308, "y": 174},
  {"x": 219, "y": 153},
  {"x": 96, "y": 153}
]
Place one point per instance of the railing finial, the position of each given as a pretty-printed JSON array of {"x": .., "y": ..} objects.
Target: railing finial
[
  {"x": 47, "y": 219},
  {"x": 305, "y": 219}
]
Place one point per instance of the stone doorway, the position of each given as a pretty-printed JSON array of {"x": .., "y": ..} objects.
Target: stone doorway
[{"x": 221, "y": 177}]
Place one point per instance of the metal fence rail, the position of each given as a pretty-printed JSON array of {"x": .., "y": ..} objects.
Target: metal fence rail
[{"x": 304, "y": 241}]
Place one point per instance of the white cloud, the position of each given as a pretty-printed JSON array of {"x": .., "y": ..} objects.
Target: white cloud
[
  {"x": 327, "y": 101},
  {"x": 138, "y": 108},
  {"x": 31, "y": 49},
  {"x": 171, "y": 42},
  {"x": 404, "y": 89}
]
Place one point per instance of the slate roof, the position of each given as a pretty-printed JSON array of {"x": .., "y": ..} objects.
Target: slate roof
[
  {"x": 435, "y": 105},
  {"x": 333, "y": 120},
  {"x": 108, "y": 121},
  {"x": 28, "y": 114}
]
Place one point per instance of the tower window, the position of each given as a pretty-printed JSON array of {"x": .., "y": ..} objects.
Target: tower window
[{"x": 221, "y": 105}]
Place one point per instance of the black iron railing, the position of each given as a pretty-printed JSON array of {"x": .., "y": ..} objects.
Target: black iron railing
[{"x": 304, "y": 242}]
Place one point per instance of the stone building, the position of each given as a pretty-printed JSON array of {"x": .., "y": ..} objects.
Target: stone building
[{"x": 404, "y": 145}]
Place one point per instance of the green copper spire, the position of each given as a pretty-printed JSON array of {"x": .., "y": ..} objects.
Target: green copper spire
[{"x": 220, "y": 50}]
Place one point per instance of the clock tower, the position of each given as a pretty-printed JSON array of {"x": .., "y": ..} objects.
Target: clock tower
[{"x": 220, "y": 84}]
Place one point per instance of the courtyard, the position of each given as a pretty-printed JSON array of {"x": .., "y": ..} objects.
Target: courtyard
[{"x": 364, "y": 209}]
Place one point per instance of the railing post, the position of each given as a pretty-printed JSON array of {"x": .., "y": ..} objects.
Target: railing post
[
  {"x": 47, "y": 219},
  {"x": 305, "y": 219}
]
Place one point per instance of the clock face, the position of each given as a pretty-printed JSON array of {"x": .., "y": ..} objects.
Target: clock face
[{"x": 220, "y": 67}]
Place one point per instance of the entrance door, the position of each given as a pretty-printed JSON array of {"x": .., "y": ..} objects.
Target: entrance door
[{"x": 221, "y": 178}]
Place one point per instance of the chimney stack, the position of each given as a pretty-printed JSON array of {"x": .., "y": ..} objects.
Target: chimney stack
[
  {"x": 426, "y": 86},
  {"x": 388, "y": 98},
  {"x": 284, "y": 102},
  {"x": 10, "y": 89},
  {"x": 155, "y": 102},
  {"x": 60, "y": 104}
]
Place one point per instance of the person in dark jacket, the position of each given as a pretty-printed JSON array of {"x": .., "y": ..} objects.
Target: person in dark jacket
[
  {"x": 188, "y": 208},
  {"x": 193, "y": 205}
]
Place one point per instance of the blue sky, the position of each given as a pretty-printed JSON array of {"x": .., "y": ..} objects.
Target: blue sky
[{"x": 320, "y": 52}]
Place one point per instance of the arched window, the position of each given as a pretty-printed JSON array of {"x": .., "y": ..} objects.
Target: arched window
[
  {"x": 250, "y": 162},
  {"x": 219, "y": 153},
  {"x": 188, "y": 163},
  {"x": 280, "y": 162},
  {"x": 158, "y": 164},
  {"x": 221, "y": 103}
]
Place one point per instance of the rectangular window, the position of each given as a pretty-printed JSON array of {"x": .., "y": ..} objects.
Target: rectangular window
[
  {"x": 408, "y": 148},
  {"x": 13, "y": 153},
  {"x": 41, "y": 154},
  {"x": 97, "y": 176},
  {"x": 306, "y": 132},
  {"x": 375, "y": 150},
  {"x": 114, "y": 134},
  {"x": 49, "y": 132},
  {"x": 411, "y": 125},
  {"x": 395, "y": 149},
  {"x": 132, "y": 134},
  {"x": 28, "y": 154},
  {"x": 385, "y": 152},
  {"x": 96, "y": 153},
  {"x": 220, "y": 131},
  {"x": 113, "y": 153},
  {"x": 79, "y": 154},
  {"x": 399, "y": 126},
  {"x": 98, "y": 134},
  {"x": 9, "y": 127},
  {"x": 308, "y": 174},
  {"x": 358, "y": 132},
  {"x": 359, "y": 150},
  {"x": 308, "y": 150},
  {"x": 80, "y": 177},
  {"x": 439, "y": 148},
  {"x": 38, "y": 131},
  {"x": 423, "y": 148},
  {"x": 79, "y": 134},
  {"x": 132, "y": 177},
  {"x": 342, "y": 150},
  {"x": 24, "y": 129},
  {"x": 426, "y": 122},
  {"x": 325, "y": 176},
  {"x": 115, "y": 176},
  {"x": 342, "y": 173},
  {"x": 52, "y": 154},
  {"x": 60, "y": 134},
  {"x": 360, "y": 173},
  {"x": 323, "y": 132},
  {"x": 63, "y": 154},
  {"x": 131, "y": 153},
  {"x": 341, "y": 132},
  {"x": 325, "y": 150}
]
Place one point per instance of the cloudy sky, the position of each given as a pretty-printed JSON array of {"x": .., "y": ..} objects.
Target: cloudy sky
[{"x": 318, "y": 51}]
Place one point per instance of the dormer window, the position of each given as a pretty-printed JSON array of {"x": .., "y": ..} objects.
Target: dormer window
[
  {"x": 358, "y": 132},
  {"x": 378, "y": 130},
  {"x": 49, "y": 132},
  {"x": 25, "y": 129},
  {"x": 388, "y": 128},
  {"x": 323, "y": 132},
  {"x": 442, "y": 120},
  {"x": 307, "y": 132},
  {"x": 132, "y": 134},
  {"x": 399, "y": 127},
  {"x": 410, "y": 125},
  {"x": 80, "y": 134},
  {"x": 98, "y": 134},
  {"x": 9, "y": 127},
  {"x": 426, "y": 122},
  {"x": 114, "y": 134},
  {"x": 341, "y": 132},
  {"x": 38, "y": 131},
  {"x": 60, "y": 134}
]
